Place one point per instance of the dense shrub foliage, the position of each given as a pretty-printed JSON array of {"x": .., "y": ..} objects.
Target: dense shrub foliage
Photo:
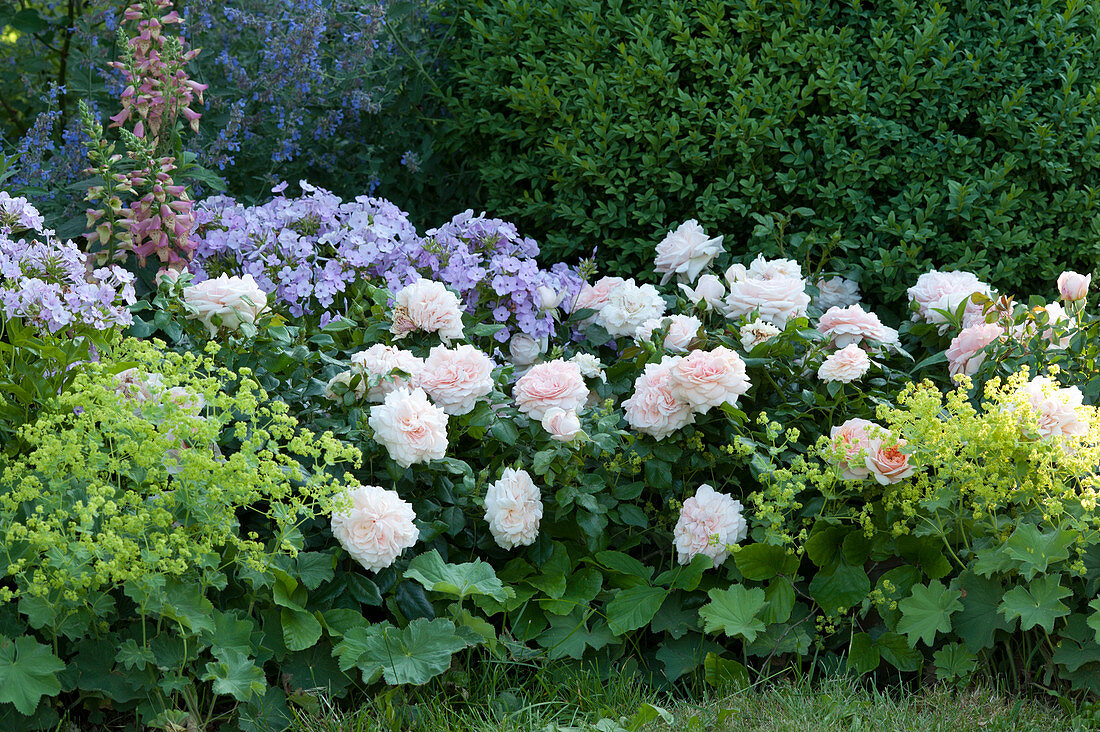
[{"x": 894, "y": 136}]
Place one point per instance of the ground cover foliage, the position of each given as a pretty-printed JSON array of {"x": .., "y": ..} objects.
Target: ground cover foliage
[{"x": 264, "y": 458}]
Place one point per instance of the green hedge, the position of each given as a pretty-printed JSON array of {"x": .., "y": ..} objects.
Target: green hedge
[{"x": 894, "y": 134}]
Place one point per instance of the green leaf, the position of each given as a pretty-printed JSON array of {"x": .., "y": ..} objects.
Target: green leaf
[
  {"x": 569, "y": 635},
  {"x": 978, "y": 621},
  {"x": 624, "y": 564},
  {"x": 779, "y": 595},
  {"x": 28, "y": 672},
  {"x": 928, "y": 611},
  {"x": 236, "y": 675},
  {"x": 581, "y": 589},
  {"x": 133, "y": 656},
  {"x": 837, "y": 590},
  {"x": 231, "y": 633},
  {"x": 475, "y": 578},
  {"x": 646, "y": 714},
  {"x": 763, "y": 561},
  {"x": 411, "y": 655},
  {"x": 1036, "y": 550},
  {"x": 682, "y": 655},
  {"x": 954, "y": 661},
  {"x": 863, "y": 654},
  {"x": 187, "y": 605},
  {"x": 314, "y": 568},
  {"x": 685, "y": 577},
  {"x": 300, "y": 629},
  {"x": 723, "y": 673},
  {"x": 1094, "y": 617},
  {"x": 1038, "y": 603},
  {"x": 634, "y": 607},
  {"x": 895, "y": 650},
  {"x": 733, "y": 611}
]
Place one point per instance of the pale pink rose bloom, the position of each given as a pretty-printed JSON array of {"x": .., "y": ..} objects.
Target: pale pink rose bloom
[
  {"x": 1057, "y": 317},
  {"x": 380, "y": 361},
  {"x": 652, "y": 409},
  {"x": 411, "y": 428},
  {"x": 428, "y": 306},
  {"x": 757, "y": 332},
  {"x": 513, "y": 508},
  {"x": 772, "y": 269},
  {"x": 709, "y": 523},
  {"x": 708, "y": 290},
  {"x": 683, "y": 329},
  {"x": 345, "y": 378},
  {"x": 1073, "y": 286},
  {"x": 549, "y": 298},
  {"x": 555, "y": 383},
  {"x": 594, "y": 297},
  {"x": 946, "y": 291},
  {"x": 590, "y": 366},
  {"x": 705, "y": 379},
  {"x": 563, "y": 425},
  {"x": 885, "y": 460},
  {"x": 846, "y": 365},
  {"x": 235, "y": 300},
  {"x": 455, "y": 378},
  {"x": 777, "y": 299},
  {"x": 853, "y": 438},
  {"x": 136, "y": 386},
  {"x": 1058, "y": 409},
  {"x": 628, "y": 306},
  {"x": 851, "y": 325},
  {"x": 523, "y": 350},
  {"x": 685, "y": 252},
  {"x": 965, "y": 354},
  {"x": 837, "y": 292},
  {"x": 376, "y": 528}
]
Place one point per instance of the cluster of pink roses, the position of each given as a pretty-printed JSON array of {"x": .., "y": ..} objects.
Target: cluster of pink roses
[
  {"x": 867, "y": 450},
  {"x": 938, "y": 296},
  {"x": 668, "y": 395},
  {"x": 1058, "y": 411}
]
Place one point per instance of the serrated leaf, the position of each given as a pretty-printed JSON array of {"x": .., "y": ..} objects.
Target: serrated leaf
[
  {"x": 133, "y": 656},
  {"x": 28, "y": 672},
  {"x": 460, "y": 581},
  {"x": 733, "y": 611},
  {"x": 236, "y": 675},
  {"x": 927, "y": 611},
  {"x": 300, "y": 629},
  {"x": 1037, "y": 604},
  {"x": 895, "y": 650},
  {"x": 724, "y": 673},
  {"x": 763, "y": 561},
  {"x": 1094, "y": 617},
  {"x": 634, "y": 607},
  {"x": 411, "y": 655},
  {"x": 954, "y": 661},
  {"x": 1036, "y": 550},
  {"x": 570, "y": 635},
  {"x": 863, "y": 654},
  {"x": 978, "y": 621},
  {"x": 837, "y": 590}
]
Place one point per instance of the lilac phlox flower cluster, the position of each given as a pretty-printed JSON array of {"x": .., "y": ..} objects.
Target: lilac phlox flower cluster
[
  {"x": 45, "y": 282},
  {"x": 494, "y": 268},
  {"x": 17, "y": 213},
  {"x": 307, "y": 250}
]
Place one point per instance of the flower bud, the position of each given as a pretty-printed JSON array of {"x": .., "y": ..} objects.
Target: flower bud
[{"x": 1073, "y": 286}]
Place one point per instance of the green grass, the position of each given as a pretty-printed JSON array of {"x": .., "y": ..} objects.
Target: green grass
[{"x": 568, "y": 701}]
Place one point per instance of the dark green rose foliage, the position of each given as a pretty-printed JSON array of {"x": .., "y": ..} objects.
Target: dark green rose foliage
[{"x": 892, "y": 135}]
